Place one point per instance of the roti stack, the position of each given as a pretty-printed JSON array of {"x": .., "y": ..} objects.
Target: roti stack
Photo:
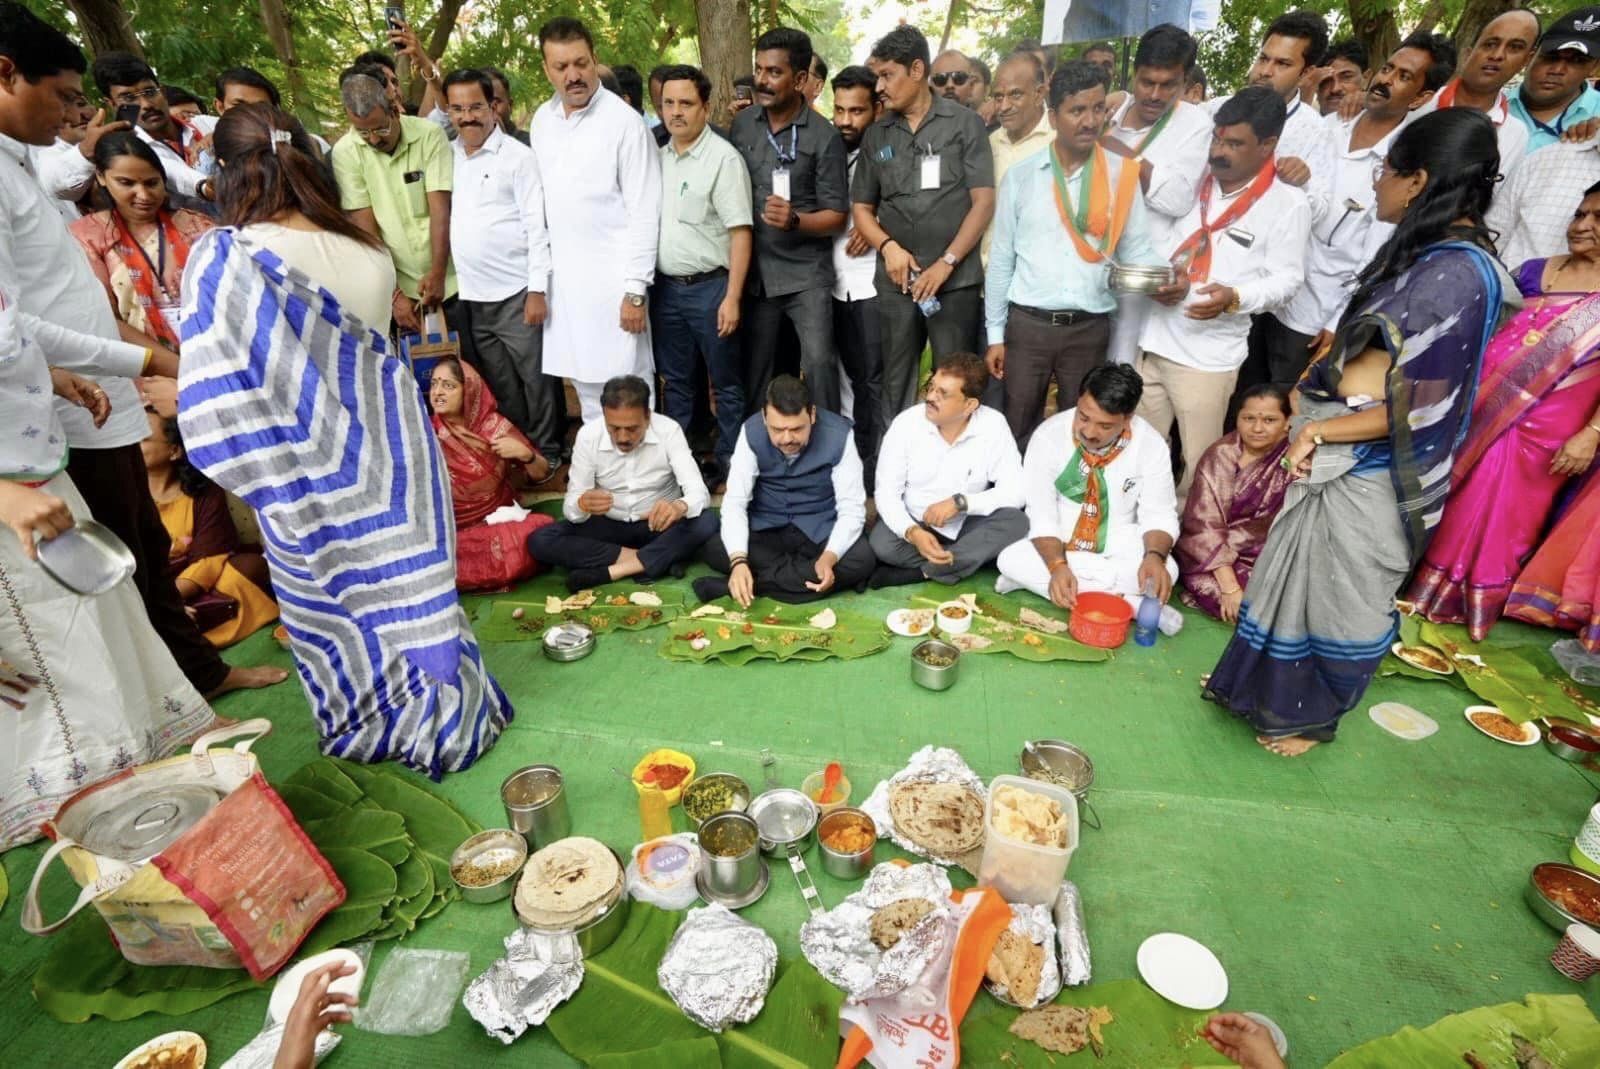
[
  {"x": 943, "y": 819},
  {"x": 568, "y": 884}
]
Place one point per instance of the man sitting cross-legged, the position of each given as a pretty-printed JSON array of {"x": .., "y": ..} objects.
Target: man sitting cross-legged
[
  {"x": 636, "y": 503},
  {"x": 1102, "y": 512},
  {"x": 795, "y": 507},
  {"x": 949, "y": 487}
]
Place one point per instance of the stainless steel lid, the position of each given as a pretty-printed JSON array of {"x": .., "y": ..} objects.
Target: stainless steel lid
[
  {"x": 568, "y": 641},
  {"x": 137, "y": 826},
  {"x": 86, "y": 558}
]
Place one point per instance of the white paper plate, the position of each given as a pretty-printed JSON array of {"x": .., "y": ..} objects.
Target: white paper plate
[
  {"x": 1448, "y": 669},
  {"x": 897, "y": 622},
  {"x": 1530, "y": 731},
  {"x": 1402, "y": 721},
  {"x": 1279, "y": 1040},
  {"x": 161, "y": 1041},
  {"x": 1183, "y": 971},
  {"x": 287, "y": 989}
]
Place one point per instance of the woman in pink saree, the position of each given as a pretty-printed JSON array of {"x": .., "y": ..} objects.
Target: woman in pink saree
[
  {"x": 1535, "y": 426},
  {"x": 1238, "y": 489}
]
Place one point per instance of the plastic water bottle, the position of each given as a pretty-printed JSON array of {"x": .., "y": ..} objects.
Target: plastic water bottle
[
  {"x": 930, "y": 305},
  {"x": 1147, "y": 621}
]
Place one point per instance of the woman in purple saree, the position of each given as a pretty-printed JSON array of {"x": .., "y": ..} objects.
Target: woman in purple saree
[{"x": 1535, "y": 425}]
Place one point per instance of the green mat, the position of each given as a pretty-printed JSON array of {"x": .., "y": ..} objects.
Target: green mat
[{"x": 1370, "y": 885}]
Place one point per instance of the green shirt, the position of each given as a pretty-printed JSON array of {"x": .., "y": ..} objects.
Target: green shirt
[
  {"x": 371, "y": 178},
  {"x": 705, "y": 193}
]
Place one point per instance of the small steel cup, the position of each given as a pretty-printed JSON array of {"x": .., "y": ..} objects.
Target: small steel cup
[
  {"x": 536, "y": 805},
  {"x": 735, "y": 875},
  {"x": 841, "y": 865}
]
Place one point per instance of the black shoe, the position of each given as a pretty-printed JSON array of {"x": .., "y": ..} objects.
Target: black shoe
[
  {"x": 710, "y": 587},
  {"x": 678, "y": 570},
  {"x": 587, "y": 578},
  {"x": 888, "y": 575}
]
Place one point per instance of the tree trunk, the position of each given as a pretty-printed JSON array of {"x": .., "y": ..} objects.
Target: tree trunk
[
  {"x": 444, "y": 27},
  {"x": 1373, "y": 24},
  {"x": 949, "y": 24},
  {"x": 106, "y": 26},
  {"x": 280, "y": 31},
  {"x": 725, "y": 49},
  {"x": 1475, "y": 15}
]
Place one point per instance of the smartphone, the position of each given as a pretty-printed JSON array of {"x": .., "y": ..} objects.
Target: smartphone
[
  {"x": 743, "y": 92},
  {"x": 129, "y": 113},
  {"x": 394, "y": 16}
]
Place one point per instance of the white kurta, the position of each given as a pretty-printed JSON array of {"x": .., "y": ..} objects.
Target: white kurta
[{"x": 602, "y": 199}]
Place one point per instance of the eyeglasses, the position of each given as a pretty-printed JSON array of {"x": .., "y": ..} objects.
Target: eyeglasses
[
  {"x": 134, "y": 96},
  {"x": 958, "y": 78},
  {"x": 377, "y": 133},
  {"x": 456, "y": 110}
]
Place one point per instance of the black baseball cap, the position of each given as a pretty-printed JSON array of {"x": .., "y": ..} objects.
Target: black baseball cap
[{"x": 1577, "y": 30}]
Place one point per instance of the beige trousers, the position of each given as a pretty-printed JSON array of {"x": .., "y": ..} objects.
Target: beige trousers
[{"x": 1196, "y": 400}]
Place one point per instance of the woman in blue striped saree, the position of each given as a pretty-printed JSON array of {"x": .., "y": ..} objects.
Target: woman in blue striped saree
[
  {"x": 1381, "y": 415},
  {"x": 291, "y": 397}
]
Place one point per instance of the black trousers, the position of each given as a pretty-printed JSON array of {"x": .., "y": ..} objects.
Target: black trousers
[
  {"x": 811, "y": 312},
  {"x": 784, "y": 560},
  {"x": 1036, "y": 352},
  {"x": 1278, "y": 355},
  {"x": 114, "y": 484},
  {"x": 955, "y": 328},
  {"x": 599, "y": 541},
  {"x": 857, "y": 334}
]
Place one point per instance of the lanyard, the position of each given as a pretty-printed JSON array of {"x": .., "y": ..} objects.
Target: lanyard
[
  {"x": 158, "y": 269},
  {"x": 794, "y": 145}
]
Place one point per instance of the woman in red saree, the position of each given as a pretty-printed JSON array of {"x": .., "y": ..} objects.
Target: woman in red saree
[
  {"x": 1535, "y": 426},
  {"x": 483, "y": 450},
  {"x": 1238, "y": 489}
]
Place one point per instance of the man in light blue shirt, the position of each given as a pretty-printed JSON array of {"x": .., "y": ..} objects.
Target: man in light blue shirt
[
  {"x": 1061, "y": 215},
  {"x": 1556, "y": 94}
]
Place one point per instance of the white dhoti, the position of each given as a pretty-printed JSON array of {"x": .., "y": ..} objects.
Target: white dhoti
[
  {"x": 1116, "y": 571},
  {"x": 589, "y": 392}
]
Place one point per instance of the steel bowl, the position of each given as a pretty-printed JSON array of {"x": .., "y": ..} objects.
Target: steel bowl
[
  {"x": 740, "y": 789},
  {"x": 599, "y": 931},
  {"x": 1570, "y": 742},
  {"x": 935, "y": 677},
  {"x": 1139, "y": 278},
  {"x": 484, "y": 841},
  {"x": 836, "y": 863},
  {"x": 1548, "y": 911},
  {"x": 736, "y": 877},
  {"x": 569, "y": 641},
  {"x": 86, "y": 558},
  {"x": 1057, "y": 762},
  {"x": 786, "y": 819}
]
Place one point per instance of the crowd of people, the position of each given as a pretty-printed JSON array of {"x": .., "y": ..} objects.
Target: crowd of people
[{"x": 1374, "y": 314}]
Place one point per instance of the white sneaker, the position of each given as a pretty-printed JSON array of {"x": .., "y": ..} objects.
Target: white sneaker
[{"x": 1171, "y": 620}]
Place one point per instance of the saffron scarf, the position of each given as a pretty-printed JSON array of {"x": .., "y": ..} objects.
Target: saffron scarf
[
  {"x": 1084, "y": 480},
  {"x": 1092, "y": 212},
  {"x": 1197, "y": 246},
  {"x": 146, "y": 276}
]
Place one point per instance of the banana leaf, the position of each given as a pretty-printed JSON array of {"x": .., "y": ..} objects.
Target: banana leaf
[
  {"x": 622, "y": 1014},
  {"x": 368, "y": 879},
  {"x": 307, "y": 803},
  {"x": 433, "y": 824},
  {"x": 999, "y": 629},
  {"x": 1507, "y": 679},
  {"x": 1147, "y": 1031},
  {"x": 1560, "y": 1027},
  {"x": 681, "y": 1054},
  {"x": 322, "y": 777},
  {"x": 499, "y": 624},
  {"x": 365, "y": 829},
  {"x": 347, "y": 924},
  {"x": 770, "y": 630}
]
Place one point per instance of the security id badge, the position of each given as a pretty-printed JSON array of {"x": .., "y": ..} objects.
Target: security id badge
[
  {"x": 780, "y": 183},
  {"x": 930, "y": 171}
]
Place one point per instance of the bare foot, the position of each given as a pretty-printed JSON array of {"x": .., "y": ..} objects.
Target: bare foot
[
  {"x": 1286, "y": 745},
  {"x": 240, "y": 678}
]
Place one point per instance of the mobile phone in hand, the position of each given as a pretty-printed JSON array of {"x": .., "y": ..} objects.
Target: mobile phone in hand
[
  {"x": 394, "y": 16},
  {"x": 743, "y": 92},
  {"x": 129, "y": 113}
]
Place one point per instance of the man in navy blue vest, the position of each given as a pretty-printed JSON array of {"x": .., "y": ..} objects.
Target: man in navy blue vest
[{"x": 795, "y": 509}]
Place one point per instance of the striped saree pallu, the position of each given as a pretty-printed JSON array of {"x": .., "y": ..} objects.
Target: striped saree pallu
[{"x": 306, "y": 414}]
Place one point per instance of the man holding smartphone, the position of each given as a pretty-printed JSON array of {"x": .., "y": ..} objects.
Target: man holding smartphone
[{"x": 128, "y": 83}]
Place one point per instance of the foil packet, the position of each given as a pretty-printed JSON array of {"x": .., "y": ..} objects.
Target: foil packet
[
  {"x": 1071, "y": 936},
  {"x": 1035, "y": 924},
  {"x": 931, "y": 764},
  {"x": 262, "y": 1051},
  {"x": 718, "y": 968},
  {"x": 838, "y": 943},
  {"x": 519, "y": 991}
]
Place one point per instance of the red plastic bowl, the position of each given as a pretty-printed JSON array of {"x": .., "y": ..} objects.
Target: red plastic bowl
[{"x": 1100, "y": 620}]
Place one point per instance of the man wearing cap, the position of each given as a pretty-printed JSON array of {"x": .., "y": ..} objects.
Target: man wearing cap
[
  {"x": 1556, "y": 94},
  {"x": 1502, "y": 49}
]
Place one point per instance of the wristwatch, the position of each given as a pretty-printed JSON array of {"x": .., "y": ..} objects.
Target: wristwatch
[
  {"x": 794, "y": 221},
  {"x": 950, "y": 260},
  {"x": 636, "y": 300},
  {"x": 961, "y": 502},
  {"x": 1316, "y": 434}
]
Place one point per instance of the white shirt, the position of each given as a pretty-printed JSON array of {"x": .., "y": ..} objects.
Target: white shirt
[
  {"x": 1343, "y": 240},
  {"x": 64, "y": 307},
  {"x": 1306, "y": 139},
  {"x": 1138, "y": 481},
  {"x": 498, "y": 239},
  {"x": 1510, "y": 132},
  {"x": 602, "y": 205},
  {"x": 1177, "y": 160},
  {"x": 181, "y": 177},
  {"x": 64, "y": 174},
  {"x": 1266, "y": 275},
  {"x": 660, "y": 468},
  {"x": 849, "y": 499},
  {"x": 1533, "y": 206},
  {"x": 917, "y": 467},
  {"x": 33, "y": 444},
  {"x": 852, "y": 275}
]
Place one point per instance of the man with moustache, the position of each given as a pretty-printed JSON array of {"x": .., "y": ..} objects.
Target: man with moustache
[
  {"x": 855, "y": 296},
  {"x": 1345, "y": 68},
  {"x": 951, "y": 76},
  {"x": 796, "y": 161},
  {"x": 1556, "y": 94},
  {"x": 1063, "y": 214},
  {"x": 1240, "y": 251},
  {"x": 66, "y": 168},
  {"x": 1503, "y": 48},
  {"x": 501, "y": 251},
  {"x": 602, "y": 206},
  {"x": 125, "y": 80},
  {"x": 949, "y": 486},
  {"x": 1343, "y": 241},
  {"x": 702, "y": 260},
  {"x": 1024, "y": 124}
]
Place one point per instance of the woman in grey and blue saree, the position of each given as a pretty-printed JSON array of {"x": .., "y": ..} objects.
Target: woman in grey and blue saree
[{"x": 1381, "y": 415}]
